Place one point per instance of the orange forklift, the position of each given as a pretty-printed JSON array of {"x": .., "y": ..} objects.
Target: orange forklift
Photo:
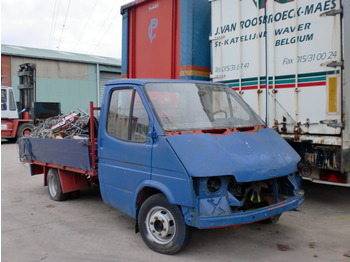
[{"x": 19, "y": 118}]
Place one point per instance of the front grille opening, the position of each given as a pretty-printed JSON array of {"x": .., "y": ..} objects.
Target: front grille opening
[{"x": 259, "y": 194}]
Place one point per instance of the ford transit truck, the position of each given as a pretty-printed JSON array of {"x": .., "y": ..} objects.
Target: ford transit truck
[{"x": 173, "y": 155}]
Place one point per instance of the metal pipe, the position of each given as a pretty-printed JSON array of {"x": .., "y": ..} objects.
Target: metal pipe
[
  {"x": 98, "y": 83},
  {"x": 266, "y": 72}
]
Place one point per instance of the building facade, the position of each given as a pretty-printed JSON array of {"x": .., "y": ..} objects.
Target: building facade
[{"x": 71, "y": 79}]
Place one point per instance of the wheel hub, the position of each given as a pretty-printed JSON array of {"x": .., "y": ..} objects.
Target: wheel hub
[
  {"x": 52, "y": 186},
  {"x": 161, "y": 225}
]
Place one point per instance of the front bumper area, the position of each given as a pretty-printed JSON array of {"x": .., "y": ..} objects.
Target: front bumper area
[{"x": 244, "y": 217}]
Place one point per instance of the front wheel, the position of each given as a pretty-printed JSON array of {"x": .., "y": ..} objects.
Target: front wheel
[
  {"x": 162, "y": 226},
  {"x": 54, "y": 186}
]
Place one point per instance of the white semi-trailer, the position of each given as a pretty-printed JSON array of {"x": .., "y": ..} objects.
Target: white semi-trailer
[{"x": 303, "y": 49}]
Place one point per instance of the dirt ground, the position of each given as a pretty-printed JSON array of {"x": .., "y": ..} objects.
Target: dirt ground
[{"x": 35, "y": 228}]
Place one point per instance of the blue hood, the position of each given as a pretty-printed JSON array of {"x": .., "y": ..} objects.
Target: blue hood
[{"x": 247, "y": 156}]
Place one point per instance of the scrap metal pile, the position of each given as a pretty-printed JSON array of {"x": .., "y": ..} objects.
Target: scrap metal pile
[{"x": 71, "y": 126}]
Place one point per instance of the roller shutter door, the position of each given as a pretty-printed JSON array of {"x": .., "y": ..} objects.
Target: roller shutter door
[{"x": 104, "y": 77}]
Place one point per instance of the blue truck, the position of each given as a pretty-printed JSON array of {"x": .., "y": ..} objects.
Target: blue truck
[{"x": 174, "y": 154}]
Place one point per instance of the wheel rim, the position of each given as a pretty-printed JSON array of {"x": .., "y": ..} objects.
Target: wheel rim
[
  {"x": 52, "y": 185},
  {"x": 27, "y": 132},
  {"x": 161, "y": 226}
]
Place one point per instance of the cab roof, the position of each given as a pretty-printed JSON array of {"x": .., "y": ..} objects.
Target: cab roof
[{"x": 146, "y": 81}]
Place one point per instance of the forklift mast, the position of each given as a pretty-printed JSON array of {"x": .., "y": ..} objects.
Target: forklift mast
[{"x": 27, "y": 88}]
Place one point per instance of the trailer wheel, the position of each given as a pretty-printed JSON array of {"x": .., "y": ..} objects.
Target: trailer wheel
[
  {"x": 162, "y": 226},
  {"x": 24, "y": 129},
  {"x": 54, "y": 186}
]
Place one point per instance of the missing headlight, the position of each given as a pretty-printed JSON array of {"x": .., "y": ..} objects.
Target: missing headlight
[{"x": 213, "y": 184}]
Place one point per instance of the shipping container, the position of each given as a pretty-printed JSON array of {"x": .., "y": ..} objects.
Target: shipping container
[{"x": 166, "y": 39}]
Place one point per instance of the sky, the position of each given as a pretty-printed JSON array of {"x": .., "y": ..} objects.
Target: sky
[{"x": 80, "y": 26}]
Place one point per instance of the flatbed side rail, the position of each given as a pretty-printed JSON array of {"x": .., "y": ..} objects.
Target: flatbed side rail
[
  {"x": 93, "y": 138},
  {"x": 91, "y": 172}
]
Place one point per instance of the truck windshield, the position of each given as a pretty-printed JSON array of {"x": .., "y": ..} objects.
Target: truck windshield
[{"x": 193, "y": 106}]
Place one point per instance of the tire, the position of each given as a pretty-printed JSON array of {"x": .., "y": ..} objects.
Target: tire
[
  {"x": 74, "y": 194},
  {"x": 54, "y": 186},
  {"x": 162, "y": 226},
  {"x": 24, "y": 129},
  {"x": 271, "y": 220}
]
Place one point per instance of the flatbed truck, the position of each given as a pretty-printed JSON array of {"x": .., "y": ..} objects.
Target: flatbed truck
[{"x": 173, "y": 155}]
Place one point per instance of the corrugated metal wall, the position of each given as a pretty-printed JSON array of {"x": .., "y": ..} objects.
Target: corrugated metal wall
[
  {"x": 71, "y": 84},
  {"x": 104, "y": 77}
]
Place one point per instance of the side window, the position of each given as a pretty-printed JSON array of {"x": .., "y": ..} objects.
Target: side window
[
  {"x": 127, "y": 117},
  {"x": 3, "y": 99},
  {"x": 12, "y": 103},
  {"x": 140, "y": 121}
]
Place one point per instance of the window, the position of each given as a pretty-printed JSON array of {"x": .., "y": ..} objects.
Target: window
[
  {"x": 12, "y": 103},
  {"x": 194, "y": 106},
  {"x": 3, "y": 99},
  {"x": 127, "y": 117},
  {"x": 224, "y": 106}
]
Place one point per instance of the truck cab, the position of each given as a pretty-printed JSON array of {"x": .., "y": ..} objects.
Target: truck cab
[
  {"x": 177, "y": 154},
  {"x": 8, "y": 103},
  {"x": 12, "y": 126}
]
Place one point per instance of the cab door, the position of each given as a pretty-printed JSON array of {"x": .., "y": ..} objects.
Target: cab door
[{"x": 124, "y": 148}]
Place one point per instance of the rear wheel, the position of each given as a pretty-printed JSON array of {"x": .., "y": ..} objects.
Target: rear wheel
[
  {"x": 162, "y": 226},
  {"x": 54, "y": 186},
  {"x": 24, "y": 129},
  {"x": 74, "y": 194}
]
